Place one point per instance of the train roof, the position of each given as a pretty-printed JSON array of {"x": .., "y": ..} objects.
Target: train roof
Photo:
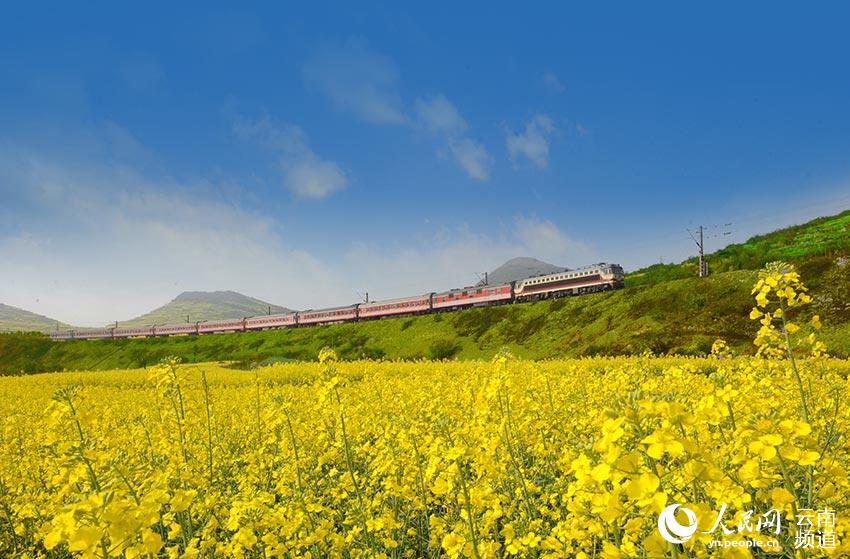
[
  {"x": 341, "y": 307},
  {"x": 278, "y": 315},
  {"x": 471, "y": 287},
  {"x": 579, "y": 269},
  {"x": 396, "y": 300}
]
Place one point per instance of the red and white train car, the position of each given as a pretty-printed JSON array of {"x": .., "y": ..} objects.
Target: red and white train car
[
  {"x": 470, "y": 296},
  {"x": 328, "y": 316},
  {"x": 176, "y": 329},
  {"x": 394, "y": 307},
  {"x": 270, "y": 321},
  {"x": 221, "y": 326},
  {"x": 133, "y": 332},
  {"x": 96, "y": 333}
]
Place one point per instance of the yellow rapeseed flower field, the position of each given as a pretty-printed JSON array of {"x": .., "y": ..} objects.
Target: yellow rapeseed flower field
[{"x": 571, "y": 458}]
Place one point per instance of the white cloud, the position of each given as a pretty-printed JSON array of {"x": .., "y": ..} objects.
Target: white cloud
[
  {"x": 314, "y": 179},
  {"x": 440, "y": 117},
  {"x": 550, "y": 80},
  {"x": 543, "y": 239},
  {"x": 95, "y": 242},
  {"x": 452, "y": 257},
  {"x": 111, "y": 244},
  {"x": 472, "y": 157},
  {"x": 305, "y": 174},
  {"x": 533, "y": 144},
  {"x": 358, "y": 80},
  {"x": 92, "y": 239}
]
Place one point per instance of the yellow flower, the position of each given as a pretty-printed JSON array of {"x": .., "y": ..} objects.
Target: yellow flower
[
  {"x": 85, "y": 537},
  {"x": 181, "y": 500},
  {"x": 601, "y": 472},
  {"x": 151, "y": 541},
  {"x": 327, "y": 355},
  {"x": 643, "y": 486},
  {"x": 661, "y": 441},
  {"x": 765, "y": 446},
  {"x": 780, "y": 497}
]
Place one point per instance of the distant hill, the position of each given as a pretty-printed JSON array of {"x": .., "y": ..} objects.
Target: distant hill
[
  {"x": 520, "y": 268},
  {"x": 13, "y": 319},
  {"x": 205, "y": 305}
]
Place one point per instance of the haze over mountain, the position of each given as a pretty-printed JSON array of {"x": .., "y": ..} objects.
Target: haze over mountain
[
  {"x": 520, "y": 268},
  {"x": 13, "y": 319},
  {"x": 205, "y": 305}
]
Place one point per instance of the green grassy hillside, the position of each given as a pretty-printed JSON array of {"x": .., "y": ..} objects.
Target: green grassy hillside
[
  {"x": 680, "y": 316},
  {"x": 800, "y": 244},
  {"x": 13, "y": 319},
  {"x": 676, "y": 315}
]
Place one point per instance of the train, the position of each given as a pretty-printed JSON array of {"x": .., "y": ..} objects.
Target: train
[{"x": 589, "y": 279}]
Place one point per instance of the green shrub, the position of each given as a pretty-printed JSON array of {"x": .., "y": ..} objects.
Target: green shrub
[{"x": 443, "y": 349}]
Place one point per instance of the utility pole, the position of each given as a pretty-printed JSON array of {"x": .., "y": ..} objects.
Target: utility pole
[
  {"x": 703, "y": 265},
  {"x": 364, "y": 296},
  {"x": 270, "y": 310},
  {"x": 485, "y": 279}
]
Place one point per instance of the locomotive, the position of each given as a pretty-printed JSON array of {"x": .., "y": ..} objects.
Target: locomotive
[{"x": 599, "y": 277}]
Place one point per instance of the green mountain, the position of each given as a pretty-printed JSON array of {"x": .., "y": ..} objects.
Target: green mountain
[
  {"x": 205, "y": 305},
  {"x": 13, "y": 319},
  {"x": 521, "y": 268},
  {"x": 683, "y": 315}
]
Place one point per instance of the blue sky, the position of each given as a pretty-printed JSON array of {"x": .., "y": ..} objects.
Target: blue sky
[{"x": 305, "y": 154}]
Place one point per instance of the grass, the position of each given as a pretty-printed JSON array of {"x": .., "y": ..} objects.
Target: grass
[
  {"x": 824, "y": 236},
  {"x": 680, "y": 316},
  {"x": 665, "y": 309}
]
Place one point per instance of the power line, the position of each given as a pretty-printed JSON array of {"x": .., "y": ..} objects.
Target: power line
[
  {"x": 703, "y": 266},
  {"x": 700, "y": 242}
]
